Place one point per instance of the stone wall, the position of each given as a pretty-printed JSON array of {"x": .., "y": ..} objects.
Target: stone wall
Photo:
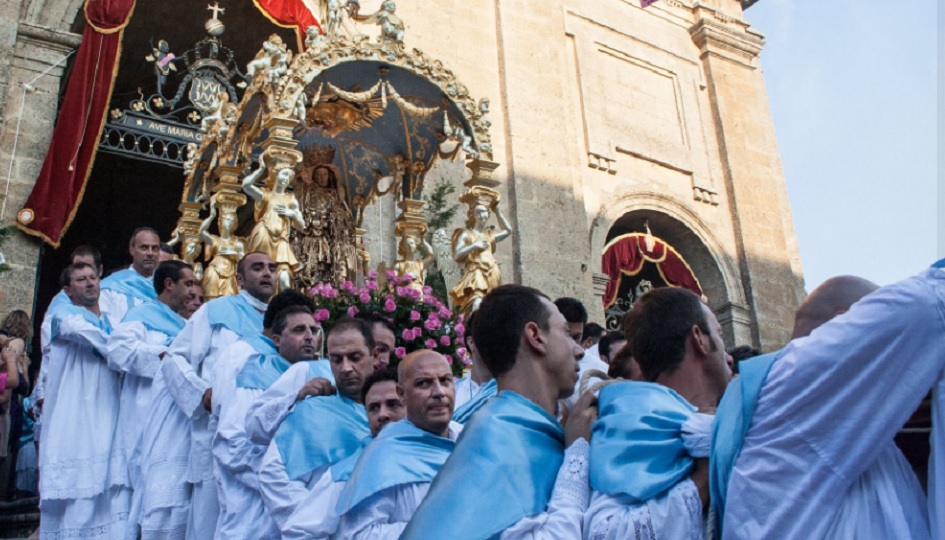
[{"x": 599, "y": 110}]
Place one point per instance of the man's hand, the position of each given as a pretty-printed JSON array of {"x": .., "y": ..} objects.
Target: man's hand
[
  {"x": 206, "y": 399},
  {"x": 316, "y": 387},
  {"x": 580, "y": 419}
]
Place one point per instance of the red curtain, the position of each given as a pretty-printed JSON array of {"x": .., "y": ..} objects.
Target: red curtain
[
  {"x": 58, "y": 190},
  {"x": 626, "y": 254},
  {"x": 290, "y": 13}
]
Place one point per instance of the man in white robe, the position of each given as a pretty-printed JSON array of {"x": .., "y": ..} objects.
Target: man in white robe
[
  {"x": 290, "y": 335},
  {"x": 81, "y": 495},
  {"x": 514, "y": 445},
  {"x": 813, "y": 459},
  {"x": 267, "y": 412},
  {"x": 320, "y": 431},
  {"x": 659, "y": 488},
  {"x": 136, "y": 348},
  {"x": 132, "y": 286},
  {"x": 316, "y": 517},
  {"x": 189, "y": 365},
  {"x": 394, "y": 472}
]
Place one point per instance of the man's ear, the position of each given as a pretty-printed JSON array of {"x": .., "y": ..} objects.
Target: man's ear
[
  {"x": 239, "y": 280},
  {"x": 277, "y": 339},
  {"x": 533, "y": 336},
  {"x": 400, "y": 391},
  {"x": 701, "y": 342}
]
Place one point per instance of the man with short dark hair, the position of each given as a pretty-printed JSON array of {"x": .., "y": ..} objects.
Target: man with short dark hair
[
  {"x": 591, "y": 336},
  {"x": 609, "y": 344},
  {"x": 316, "y": 516},
  {"x": 396, "y": 469},
  {"x": 166, "y": 253},
  {"x": 190, "y": 364},
  {"x": 290, "y": 336},
  {"x": 646, "y": 478},
  {"x": 81, "y": 496},
  {"x": 127, "y": 288},
  {"x": 136, "y": 348},
  {"x": 575, "y": 313},
  {"x": 320, "y": 431},
  {"x": 514, "y": 445}
]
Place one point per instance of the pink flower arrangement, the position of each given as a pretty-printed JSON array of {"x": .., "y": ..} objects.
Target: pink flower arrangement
[{"x": 421, "y": 319}]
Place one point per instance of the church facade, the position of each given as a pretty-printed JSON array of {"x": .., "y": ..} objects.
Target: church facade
[{"x": 635, "y": 147}]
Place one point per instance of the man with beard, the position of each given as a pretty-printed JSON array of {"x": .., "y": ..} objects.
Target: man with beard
[{"x": 320, "y": 431}]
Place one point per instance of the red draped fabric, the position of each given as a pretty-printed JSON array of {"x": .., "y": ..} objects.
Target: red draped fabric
[
  {"x": 289, "y": 13},
  {"x": 625, "y": 255},
  {"x": 58, "y": 190}
]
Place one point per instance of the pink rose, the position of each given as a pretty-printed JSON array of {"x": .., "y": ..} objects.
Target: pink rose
[
  {"x": 414, "y": 315},
  {"x": 467, "y": 362},
  {"x": 329, "y": 292},
  {"x": 408, "y": 278},
  {"x": 371, "y": 285},
  {"x": 429, "y": 343},
  {"x": 352, "y": 311},
  {"x": 372, "y": 274},
  {"x": 449, "y": 359},
  {"x": 347, "y": 286},
  {"x": 460, "y": 330},
  {"x": 416, "y": 332},
  {"x": 427, "y": 289},
  {"x": 461, "y": 319},
  {"x": 365, "y": 297},
  {"x": 389, "y": 304},
  {"x": 407, "y": 334},
  {"x": 401, "y": 291},
  {"x": 400, "y": 352},
  {"x": 445, "y": 341},
  {"x": 414, "y": 294},
  {"x": 391, "y": 275},
  {"x": 322, "y": 315}
]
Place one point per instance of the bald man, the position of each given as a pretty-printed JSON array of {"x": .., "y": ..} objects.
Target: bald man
[
  {"x": 396, "y": 469},
  {"x": 806, "y": 468}
]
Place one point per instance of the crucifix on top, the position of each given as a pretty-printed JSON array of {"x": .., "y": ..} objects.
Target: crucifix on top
[{"x": 216, "y": 9}]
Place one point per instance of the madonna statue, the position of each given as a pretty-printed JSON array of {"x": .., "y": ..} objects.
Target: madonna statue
[{"x": 326, "y": 245}]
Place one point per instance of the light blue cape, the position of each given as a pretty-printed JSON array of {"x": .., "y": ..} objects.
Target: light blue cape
[
  {"x": 158, "y": 317},
  {"x": 320, "y": 431},
  {"x": 341, "y": 471},
  {"x": 68, "y": 310},
  {"x": 236, "y": 314},
  {"x": 401, "y": 454},
  {"x": 732, "y": 420},
  {"x": 131, "y": 284},
  {"x": 502, "y": 470},
  {"x": 637, "y": 449},
  {"x": 264, "y": 368},
  {"x": 486, "y": 391}
]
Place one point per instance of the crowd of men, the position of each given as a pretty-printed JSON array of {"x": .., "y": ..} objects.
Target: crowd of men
[{"x": 242, "y": 418}]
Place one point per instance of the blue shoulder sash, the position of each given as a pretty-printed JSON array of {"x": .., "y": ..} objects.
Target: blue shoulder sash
[
  {"x": 636, "y": 444},
  {"x": 341, "y": 471},
  {"x": 131, "y": 284},
  {"x": 61, "y": 299},
  {"x": 401, "y": 454},
  {"x": 486, "y": 391},
  {"x": 732, "y": 420},
  {"x": 320, "y": 368},
  {"x": 235, "y": 313},
  {"x": 158, "y": 317},
  {"x": 502, "y": 470},
  {"x": 263, "y": 369},
  {"x": 320, "y": 431},
  {"x": 69, "y": 310}
]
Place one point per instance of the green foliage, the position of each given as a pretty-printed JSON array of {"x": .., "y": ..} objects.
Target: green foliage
[{"x": 439, "y": 214}]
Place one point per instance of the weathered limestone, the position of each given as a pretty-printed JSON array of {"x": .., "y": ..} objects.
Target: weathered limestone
[{"x": 603, "y": 113}]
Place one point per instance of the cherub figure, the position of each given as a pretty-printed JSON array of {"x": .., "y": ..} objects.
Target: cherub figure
[
  {"x": 191, "y": 159},
  {"x": 163, "y": 60},
  {"x": 216, "y": 111},
  {"x": 274, "y": 57},
  {"x": 298, "y": 111},
  {"x": 457, "y": 133},
  {"x": 410, "y": 263},
  {"x": 313, "y": 37}
]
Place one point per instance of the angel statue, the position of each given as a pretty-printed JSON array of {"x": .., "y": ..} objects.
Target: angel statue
[
  {"x": 274, "y": 57},
  {"x": 410, "y": 263},
  {"x": 326, "y": 243},
  {"x": 224, "y": 251},
  {"x": 191, "y": 250},
  {"x": 276, "y": 211},
  {"x": 473, "y": 247}
]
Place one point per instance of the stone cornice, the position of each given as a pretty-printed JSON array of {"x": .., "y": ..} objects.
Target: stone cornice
[
  {"x": 720, "y": 39},
  {"x": 42, "y": 34}
]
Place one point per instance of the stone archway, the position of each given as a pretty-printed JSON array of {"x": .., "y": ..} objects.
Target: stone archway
[{"x": 687, "y": 234}]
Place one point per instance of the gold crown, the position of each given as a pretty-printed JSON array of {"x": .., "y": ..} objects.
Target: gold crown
[{"x": 318, "y": 154}]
